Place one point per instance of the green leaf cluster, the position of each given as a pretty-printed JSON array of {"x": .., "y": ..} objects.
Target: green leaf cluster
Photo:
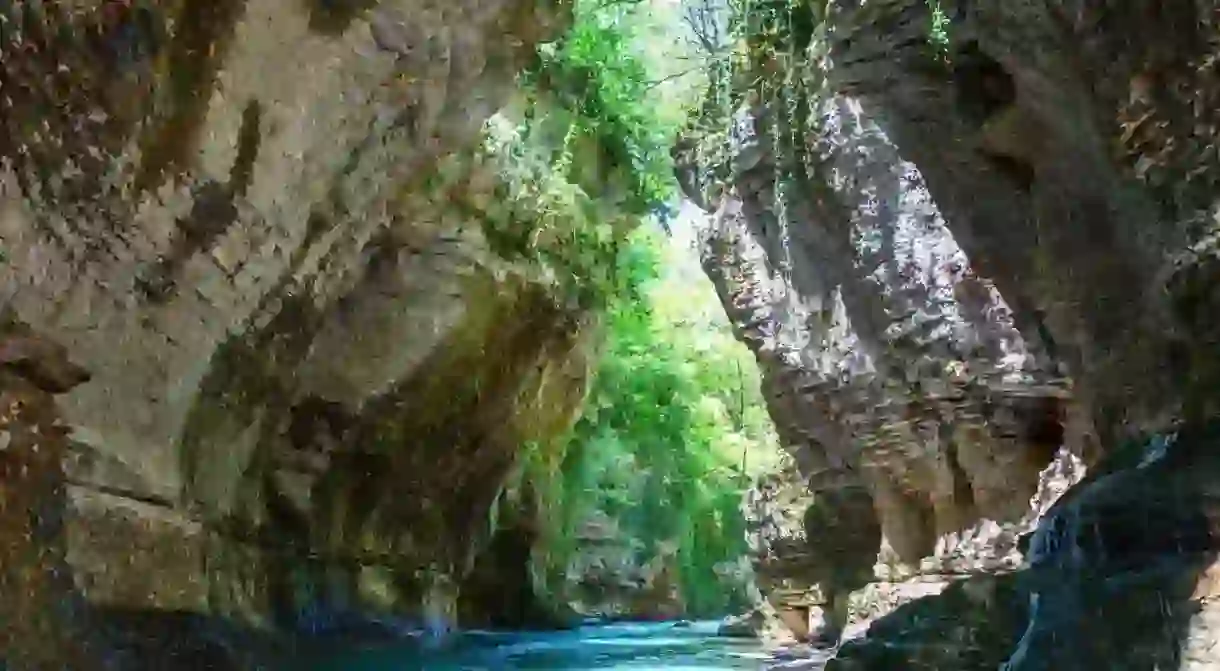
[
  {"x": 596, "y": 73},
  {"x": 674, "y": 409},
  {"x": 583, "y": 156},
  {"x": 580, "y": 161}
]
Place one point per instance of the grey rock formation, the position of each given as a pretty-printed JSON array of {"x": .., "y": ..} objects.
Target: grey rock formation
[
  {"x": 1069, "y": 148},
  {"x": 1066, "y": 146},
  {"x": 889, "y": 366},
  {"x": 258, "y": 226},
  {"x": 1009, "y": 141}
]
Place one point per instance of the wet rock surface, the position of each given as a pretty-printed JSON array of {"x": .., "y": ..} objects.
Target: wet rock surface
[{"x": 1119, "y": 576}]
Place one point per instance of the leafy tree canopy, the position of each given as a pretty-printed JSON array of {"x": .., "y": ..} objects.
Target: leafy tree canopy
[{"x": 584, "y": 164}]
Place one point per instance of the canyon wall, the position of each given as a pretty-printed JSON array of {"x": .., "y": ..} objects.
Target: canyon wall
[
  {"x": 259, "y": 227},
  {"x": 890, "y": 366},
  {"x": 989, "y": 241}
]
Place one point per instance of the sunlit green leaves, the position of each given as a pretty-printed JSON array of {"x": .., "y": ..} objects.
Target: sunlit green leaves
[
  {"x": 595, "y": 72},
  {"x": 658, "y": 448},
  {"x": 585, "y": 156},
  {"x": 581, "y": 159},
  {"x": 938, "y": 34}
]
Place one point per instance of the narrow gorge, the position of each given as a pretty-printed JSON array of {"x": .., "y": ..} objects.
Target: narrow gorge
[{"x": 875, "y": 331}]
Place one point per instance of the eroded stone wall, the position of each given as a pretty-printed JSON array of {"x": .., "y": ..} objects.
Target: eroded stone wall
[
  {"x": 1069, "y": 148},
  {"x": 257, "y": 225},
  {"x": 889, "y": 363}
]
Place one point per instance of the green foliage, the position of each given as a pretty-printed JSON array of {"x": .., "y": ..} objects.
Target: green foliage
[
  {"x": 595, "y": 74},
  {"x": 659, "y": 448},
  {"x": 579, "y": 162},
  {"x": 939, "y": 33},
  {"x": 586, "y": 155}
]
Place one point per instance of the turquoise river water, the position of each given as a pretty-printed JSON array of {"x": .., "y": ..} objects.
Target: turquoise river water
[{"x": 622, "y": 647}]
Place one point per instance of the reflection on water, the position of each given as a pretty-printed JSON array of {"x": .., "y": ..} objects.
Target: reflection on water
[{"x": 670, "y": 646}]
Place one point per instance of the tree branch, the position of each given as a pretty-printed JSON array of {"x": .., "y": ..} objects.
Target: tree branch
[{"x": 648, "y": 86}]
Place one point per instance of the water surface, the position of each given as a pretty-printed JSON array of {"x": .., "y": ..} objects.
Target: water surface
[{"x": 636, "y": 647}]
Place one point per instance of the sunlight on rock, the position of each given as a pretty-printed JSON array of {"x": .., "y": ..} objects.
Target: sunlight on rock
[{"x": 571, "y": 334}]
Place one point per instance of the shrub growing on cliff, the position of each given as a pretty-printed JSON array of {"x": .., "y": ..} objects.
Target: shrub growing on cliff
[
  {"x": 658, "y": 451},
  {"x": 594, "y": 75},
  {"x": 581, "y": 162},
  {"x": 584, "y": 155}
]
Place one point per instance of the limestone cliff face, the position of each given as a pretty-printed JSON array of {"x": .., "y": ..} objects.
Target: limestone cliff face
[
  {"x": 1104, "y": 132},
  {"x": 1069, "y": 150},
  {"x": 889, "y": 363},
  {"x": 1078, "y": 175},
  {"x": 257, "y": 225}
]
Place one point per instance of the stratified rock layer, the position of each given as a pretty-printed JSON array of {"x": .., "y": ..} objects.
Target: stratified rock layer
[
  {"x": 891, "y": 369},
  {"x": 1069, "y": 148},
  {"x": 258, "y": 226}
]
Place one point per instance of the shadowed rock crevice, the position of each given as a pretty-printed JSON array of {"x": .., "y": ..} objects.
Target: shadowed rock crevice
[
  {"x": 500, "y": 590},
  {"x": 195, "y": 54},
  {"x": 332, "y": 17}
]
